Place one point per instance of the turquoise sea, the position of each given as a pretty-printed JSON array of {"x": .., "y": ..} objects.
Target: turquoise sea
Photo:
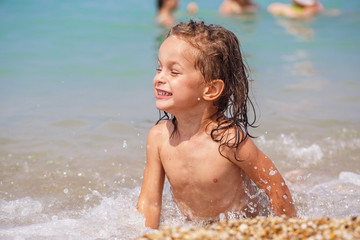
[{"x": 76, "y": 103}]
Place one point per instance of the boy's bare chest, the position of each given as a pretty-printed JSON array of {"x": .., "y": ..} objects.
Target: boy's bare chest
[{"x": 197, "y": 163}]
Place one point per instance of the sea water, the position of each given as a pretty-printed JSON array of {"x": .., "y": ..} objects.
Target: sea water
[{"x": 76, "y": 104}]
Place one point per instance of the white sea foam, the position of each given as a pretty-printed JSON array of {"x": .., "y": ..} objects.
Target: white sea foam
[
  {"x": 24, "y": 207},
  {"x": 304, "y": 154},
  {"x": 114, "y": 218},
  {"x": 337, "y": 198},
  {"x": 350, "y": 177}
]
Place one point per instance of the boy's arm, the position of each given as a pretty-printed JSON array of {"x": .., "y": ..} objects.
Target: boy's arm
[
  {"x": 150, "y": 199},
  {"x": 265, "y": 175}
]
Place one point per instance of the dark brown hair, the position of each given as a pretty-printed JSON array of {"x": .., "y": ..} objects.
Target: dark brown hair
[
  {"x": 219, "y": 57},
  {"x": 160, "y": 3}
]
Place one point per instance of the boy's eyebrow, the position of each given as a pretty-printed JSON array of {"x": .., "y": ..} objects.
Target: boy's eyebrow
[{"x": 171, "y": 62}]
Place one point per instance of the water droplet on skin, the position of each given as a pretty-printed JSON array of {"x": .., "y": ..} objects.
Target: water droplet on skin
[
  {"x": 285, "y": 197},
  {"x": 282, "y": 184},
  {"x": 264, "y": 181},
  {"x": 284, "y": 210},
  {"x": 268, "y": 188},
  {"x": 255, "y": 167},
  {"x": 198, "y": 99},
  {"x": 272, "y": 173}
]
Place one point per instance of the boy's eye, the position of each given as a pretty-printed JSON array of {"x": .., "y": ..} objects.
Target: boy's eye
[
  {"x": 174, "y": 72},
  {"x": 158, "y": 69}
]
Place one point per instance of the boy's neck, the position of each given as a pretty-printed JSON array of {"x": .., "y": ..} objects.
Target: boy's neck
[{"x": 189, "y": 126}]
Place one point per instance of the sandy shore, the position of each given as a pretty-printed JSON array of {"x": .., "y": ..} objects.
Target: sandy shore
[{"x": 266, "y": 228}]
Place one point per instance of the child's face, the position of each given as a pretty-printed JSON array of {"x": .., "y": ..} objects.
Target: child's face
[{"x": 178, "y": 86}]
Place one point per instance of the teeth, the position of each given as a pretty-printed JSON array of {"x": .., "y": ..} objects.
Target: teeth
[{"x": 161, "y": 93}]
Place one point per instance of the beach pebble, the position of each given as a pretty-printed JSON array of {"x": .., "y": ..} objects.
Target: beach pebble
[{"x": 267, "y": 228}]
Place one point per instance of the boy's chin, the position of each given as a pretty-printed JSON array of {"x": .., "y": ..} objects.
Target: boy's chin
[
  {"x": 164, "y": 109},
  {"x": 160, "y": 107}
]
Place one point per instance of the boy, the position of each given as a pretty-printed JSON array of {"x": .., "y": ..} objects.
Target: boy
[{"x": 204, "y": 149}]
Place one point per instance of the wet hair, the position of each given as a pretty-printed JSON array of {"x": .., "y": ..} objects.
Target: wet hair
[
  {"x": 243, "y": 2},
  {"x": 159, "y": 3},
  {"x": 218, "y": 56}
]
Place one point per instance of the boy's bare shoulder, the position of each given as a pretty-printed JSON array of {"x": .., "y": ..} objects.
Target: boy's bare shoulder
[
  {"x": 159, "y": 130},
  {"x": 245, "y": 148}
]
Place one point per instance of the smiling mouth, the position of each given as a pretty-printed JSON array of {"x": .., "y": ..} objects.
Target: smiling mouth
[{"x": 163, "y": 93}]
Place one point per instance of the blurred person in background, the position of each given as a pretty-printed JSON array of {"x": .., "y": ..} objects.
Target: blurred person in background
[
  {"x": 298, "y": 9},
  {"x": 230, "y": 7},
  {"x": 164, "y": 15},
  {"x": 192, "y": 8}
]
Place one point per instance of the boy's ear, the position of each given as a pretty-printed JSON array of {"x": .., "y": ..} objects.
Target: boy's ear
[{"x": 213, "y": 90}]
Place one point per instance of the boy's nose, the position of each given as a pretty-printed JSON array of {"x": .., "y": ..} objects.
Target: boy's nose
[{"x": 160, "y": 79}]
